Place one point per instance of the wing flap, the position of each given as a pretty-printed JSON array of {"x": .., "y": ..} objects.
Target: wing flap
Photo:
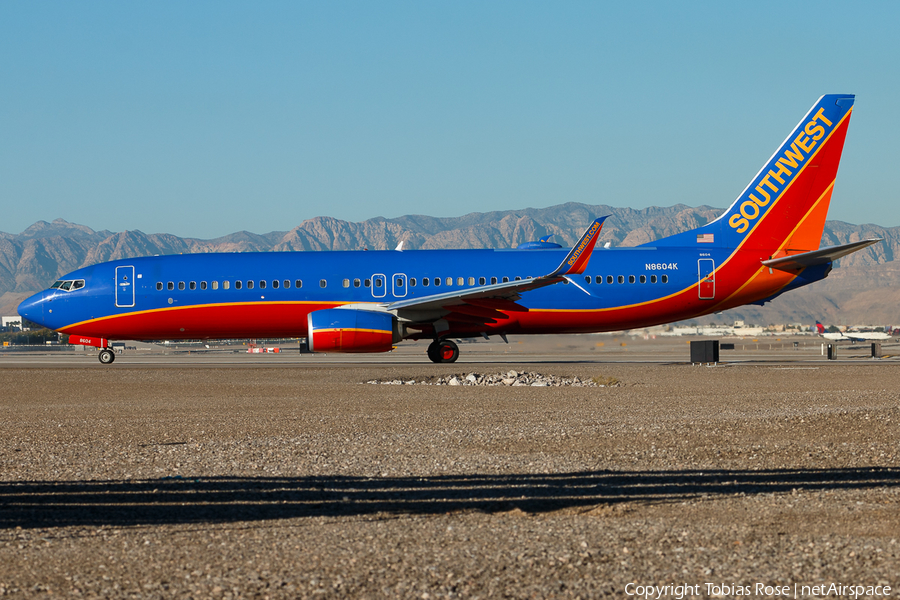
[
  {"x": 476, "y": 311},
  {"x": 497, "y": 304}
]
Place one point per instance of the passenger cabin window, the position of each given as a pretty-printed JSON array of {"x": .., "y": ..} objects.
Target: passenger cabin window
[
  {"x": 225, "y": 284},
  {"x": 425, "y": 281},
  {"x": 665, "y": 279},
  {"x": 180, "y": 285},
  {"x": 286, "y": 283},
  {"x": 609, "y": 279},
  {"x": 631, "y": 279},
  {"x": 202, "y": 285},
  {"x": 587, "y": 278},
  {"x": 598, "y": 279},
  {"x": 437, "y": 281},
  {"x": 193, "y": 285},
  {"x": 159, "y": 285},
  {"x": 238, "y": 284},
  {"x": 262, "y": 284},
  {"x": 368, "y": 283},
  {"x": 215, "y": 285},
  {"x": 481, "y": 281},
  {"x": 356, "y": 283},
  {"x": 653, "y": 279},
  {"x": 275, "y": 284},
  {"x": 170, "y": 286},
  {"x": 346, "y": 283},
  {"x": 518, "y": 278},
  {"x": 643, "y": 279},
  {"x": 621, "y": 279},
  {"x": 378, "y": 282},
  {"x": 298, "y": 283},
  {"x": 493, "y": 280},
  {"x": 506, "y": 280},
  {"x": 471, "y": 281},
  {"x": 322, "y": 283},
  {"x": 412, "y": 282},
  {"x": 449, "y": 281},
  {"x": 250, "y": 285}
]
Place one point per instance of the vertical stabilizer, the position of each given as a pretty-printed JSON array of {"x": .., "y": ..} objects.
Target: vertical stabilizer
[{"x": 783, "y": 208}]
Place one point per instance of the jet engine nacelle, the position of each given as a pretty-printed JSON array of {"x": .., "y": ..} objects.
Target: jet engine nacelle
[{"x": 351, "y": 330}]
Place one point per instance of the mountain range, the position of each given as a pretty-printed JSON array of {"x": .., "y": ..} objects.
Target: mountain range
[{"x": 863, "y": 288}]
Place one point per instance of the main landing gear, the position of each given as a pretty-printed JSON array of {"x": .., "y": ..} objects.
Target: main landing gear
[
  {"x": 106, "y": 356},
  {"x": 443, "y": 351}
]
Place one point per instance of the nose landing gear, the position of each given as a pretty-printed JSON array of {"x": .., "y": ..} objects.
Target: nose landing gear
[{"x": 443, "y": 351}]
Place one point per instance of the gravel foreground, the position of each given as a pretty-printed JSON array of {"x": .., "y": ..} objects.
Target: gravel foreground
[{"x": 197, "y": 481}]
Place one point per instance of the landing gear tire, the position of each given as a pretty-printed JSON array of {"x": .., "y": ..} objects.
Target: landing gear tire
[
  {"x": 443, "y": 351},
  {"x": 106, "y": 356}
]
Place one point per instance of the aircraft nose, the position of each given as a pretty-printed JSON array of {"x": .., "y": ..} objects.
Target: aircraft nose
[{"x": 33, "y": 308}]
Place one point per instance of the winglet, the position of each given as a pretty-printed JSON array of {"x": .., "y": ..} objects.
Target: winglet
[{"x": 578, "y": 258}]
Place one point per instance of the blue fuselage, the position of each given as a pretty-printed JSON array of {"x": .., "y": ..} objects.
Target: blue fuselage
[{"x": 268, "y": 294}]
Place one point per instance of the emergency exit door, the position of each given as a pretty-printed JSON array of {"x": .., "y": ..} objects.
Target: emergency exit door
[
  {"x": 706, "y": 272},
  {"x": 379, "y": 285}
]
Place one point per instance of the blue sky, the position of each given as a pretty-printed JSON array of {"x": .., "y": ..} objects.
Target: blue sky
[{"x": 204, "y": 118}]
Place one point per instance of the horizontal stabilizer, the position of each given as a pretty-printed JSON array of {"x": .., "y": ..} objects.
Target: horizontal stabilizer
[{"x": 817, "y": 257}]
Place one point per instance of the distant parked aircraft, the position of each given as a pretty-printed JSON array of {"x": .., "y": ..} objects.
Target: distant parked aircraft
[
  {"x": 766, "y": 243},
  {"x": 852, "y": 336}
]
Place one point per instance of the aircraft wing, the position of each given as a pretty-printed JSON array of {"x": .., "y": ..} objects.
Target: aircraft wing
[
  {"x": 485, "y": 302},
  {"x": 796, "y": 262}
]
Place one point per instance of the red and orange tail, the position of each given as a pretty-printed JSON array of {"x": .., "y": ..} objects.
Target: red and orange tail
[
  {"x": 782, "y": 211},
  {"x": 797, "y": 184}
]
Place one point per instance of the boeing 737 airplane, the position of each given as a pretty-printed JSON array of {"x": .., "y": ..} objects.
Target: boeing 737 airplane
[{"x": 765, "y": 243}]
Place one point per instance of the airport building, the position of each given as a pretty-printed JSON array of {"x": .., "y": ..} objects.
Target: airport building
[{"x": 15, "y": 322}]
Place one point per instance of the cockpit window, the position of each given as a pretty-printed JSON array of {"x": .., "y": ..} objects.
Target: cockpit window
[{"x": 68, "y": 285}]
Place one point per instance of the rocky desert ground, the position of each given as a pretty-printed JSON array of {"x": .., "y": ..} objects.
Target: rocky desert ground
[{"x": 290, "y": 477}]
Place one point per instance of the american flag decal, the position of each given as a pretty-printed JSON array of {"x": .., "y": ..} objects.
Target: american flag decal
[{"x": 705, "y": 238}]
